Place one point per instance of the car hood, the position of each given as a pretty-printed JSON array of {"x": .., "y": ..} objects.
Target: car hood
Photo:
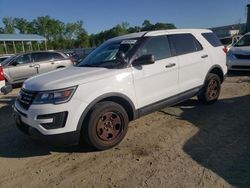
[
  {"x": 63, "y": 78},
  {"x": 241, "y": 50}
]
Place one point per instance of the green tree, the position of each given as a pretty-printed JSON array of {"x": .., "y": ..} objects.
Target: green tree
[
  {"x": 1, "y": 30},
  {"x": 146, "y": 25},
  {"x": 9, "y": 25},
  {"x": 21, "y": 24},
  {"x": 73, "y": 30}
]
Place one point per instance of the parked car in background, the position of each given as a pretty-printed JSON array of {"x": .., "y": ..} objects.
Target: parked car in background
[
  {"x": 73, "y": 56},
  {"x": 238, "y": 56},
  {"x": 2, "y": 58},
  {"x": 2, "y": 80},
  {"x": 20, "y": 67},
  {"x": 123, "y": 79}
]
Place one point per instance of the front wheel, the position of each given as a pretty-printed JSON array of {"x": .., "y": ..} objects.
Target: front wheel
[
  {"x": 210, "y": 92},
  {"x": 106, "y": 125}
]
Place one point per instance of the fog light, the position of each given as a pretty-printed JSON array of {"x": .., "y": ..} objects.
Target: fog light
[{"x": 53, "y": 121}]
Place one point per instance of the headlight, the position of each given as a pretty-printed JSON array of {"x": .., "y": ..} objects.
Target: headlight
[{"x": 54, "y": 97}]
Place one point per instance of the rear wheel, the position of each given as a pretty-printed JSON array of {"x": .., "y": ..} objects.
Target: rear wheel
[
  {"x": 210, "y": 92},
  {"x": 106, "y": 125}
]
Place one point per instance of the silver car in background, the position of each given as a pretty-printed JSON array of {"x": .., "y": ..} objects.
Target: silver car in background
[
  {"x": 20, "y": 67},
  {"x": 238, "y": 57}
]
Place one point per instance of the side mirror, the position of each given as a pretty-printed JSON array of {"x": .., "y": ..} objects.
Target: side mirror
[
  {"x": 121, "y": 57},
  {"x": 144, "y": 60}
]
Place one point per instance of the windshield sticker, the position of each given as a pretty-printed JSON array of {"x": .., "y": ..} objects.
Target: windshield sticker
[{"x": 128, "y": 42}]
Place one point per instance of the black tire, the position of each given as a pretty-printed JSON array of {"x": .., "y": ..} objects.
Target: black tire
[
  {"x": 210, "y": 92},
  {"x": 106, "y": 125},
  {"x": 60, "y": 67}
]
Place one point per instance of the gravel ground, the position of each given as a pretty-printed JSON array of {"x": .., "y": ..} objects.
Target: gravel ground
[{"x": 188, "y": 145}]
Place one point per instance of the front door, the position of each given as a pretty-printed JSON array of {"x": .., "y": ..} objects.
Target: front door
[
  {"x": 157, "y": 81},
  {"x": 21, "y": 68},
  {"x": 44, "y": 61}
]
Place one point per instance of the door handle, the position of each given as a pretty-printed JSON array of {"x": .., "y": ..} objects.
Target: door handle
[
  {"x": 170, "y": 65},
  {"x": 204, "y": 56},
  {"x": 37, "y": 66}
]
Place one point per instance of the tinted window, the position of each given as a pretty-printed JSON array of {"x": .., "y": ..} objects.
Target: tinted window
[
  {"x": 212, "y": 39},
  {"x": 22, "y": 59},
  {"x": 244, "y": 41},
  {"x": 157, "y": 46},
  {"x": 2, "y": 59},
  {"x": 41, "y": 56},
  {"x": 184, "y": 43},
  {"x": 57, "y": 56}
]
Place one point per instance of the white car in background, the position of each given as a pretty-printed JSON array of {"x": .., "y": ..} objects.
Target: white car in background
[{"x": 238, "y": 57}]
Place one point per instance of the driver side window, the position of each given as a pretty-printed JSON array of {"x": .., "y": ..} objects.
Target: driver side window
[
  {"x": 157, "y": 46},
  {"x": 23, "y": 59}
]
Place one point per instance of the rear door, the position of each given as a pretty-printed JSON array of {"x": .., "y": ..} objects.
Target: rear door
[
  {"x": 59, "y": 60},
  {"x": 44, "y": 61},
  {"x": 192, "y": 60},
  {"x": 21, "y": 68},
  {"x": 157, "y": 81}
]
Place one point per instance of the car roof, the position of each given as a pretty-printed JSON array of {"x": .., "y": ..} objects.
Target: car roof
[{"x": 159, "y": 32}]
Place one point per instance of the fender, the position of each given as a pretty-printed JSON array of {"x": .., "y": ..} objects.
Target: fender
[
  {"x": 100, "y": 98},
  {"x": 213, "y": 67}
]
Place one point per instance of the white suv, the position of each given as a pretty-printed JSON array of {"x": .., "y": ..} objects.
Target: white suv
[{"x": 123, "y": 79}]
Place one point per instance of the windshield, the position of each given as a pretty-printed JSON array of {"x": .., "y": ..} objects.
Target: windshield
[
  {"x": 105, "y": 55},
  {"x": 244, "y": 41}
]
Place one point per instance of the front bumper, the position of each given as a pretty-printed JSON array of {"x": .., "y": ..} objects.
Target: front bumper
[
  {"x": 238, "y": 64},
  {"x": 36, "y": 121},
  {"x": 69, "y": 138}
]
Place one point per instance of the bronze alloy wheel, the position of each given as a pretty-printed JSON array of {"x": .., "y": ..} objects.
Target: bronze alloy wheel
[
  {"x": 109, "y": 126},
  {"x": 212, "y": 90},
  {"x": 106, "y": 125}
]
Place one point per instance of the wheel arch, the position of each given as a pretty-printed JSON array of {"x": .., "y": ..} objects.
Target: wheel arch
[
  {"x": 216, "y": 69},
  {"x": 119, "y": 98},
  {"x": 60, "y": 66}
]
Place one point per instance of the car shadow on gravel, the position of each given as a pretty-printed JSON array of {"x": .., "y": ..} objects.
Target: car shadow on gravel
[
  {"x": 222, "y": 143},
  {"x": 14, "y": 144}
]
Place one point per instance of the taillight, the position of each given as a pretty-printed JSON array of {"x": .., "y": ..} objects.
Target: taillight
[
  {"x": 225, "y": 49},
  {"x": 72, "y": 60},
  {"x": 1, "y": 73}
]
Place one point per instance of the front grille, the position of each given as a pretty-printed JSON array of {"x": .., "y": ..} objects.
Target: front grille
[
  {"x": 26, "y": 98},
  {"x": 241, "y": 56},
  {"x": 240, "y": 67}
]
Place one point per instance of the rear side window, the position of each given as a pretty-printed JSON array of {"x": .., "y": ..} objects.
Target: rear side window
[
  {"x": 184, "y": 44},
  {"x": 157, "y": 46},
  {"x": 212, "y": 39},
  {"x": 56, "y": 56},
  {"x": 41, "y": 56}
]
